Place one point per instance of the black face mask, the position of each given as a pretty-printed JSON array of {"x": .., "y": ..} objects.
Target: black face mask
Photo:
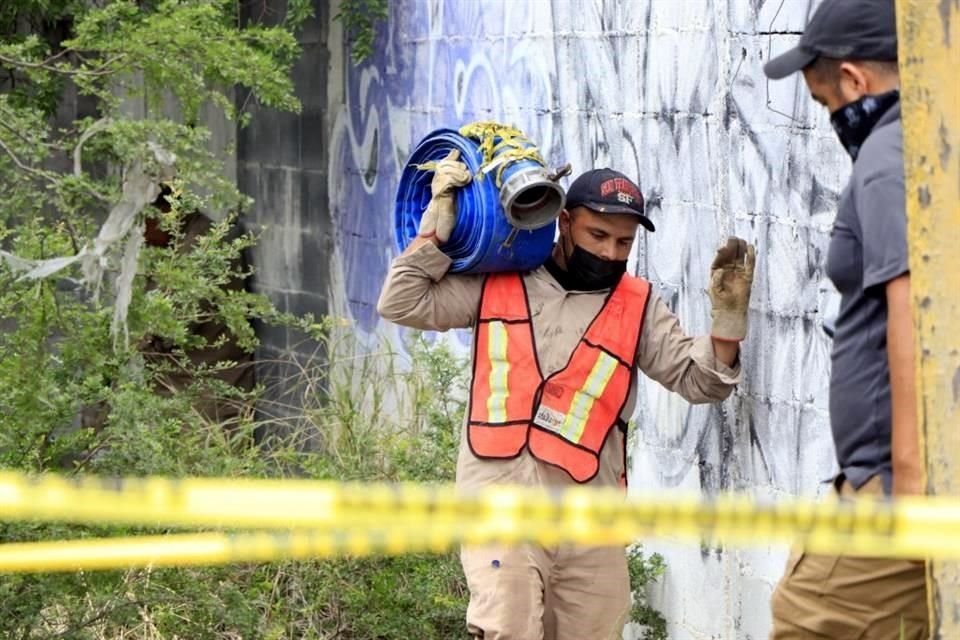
[
  {"x": 854, "y": 122},
  {"x": 588, "y": 272}
]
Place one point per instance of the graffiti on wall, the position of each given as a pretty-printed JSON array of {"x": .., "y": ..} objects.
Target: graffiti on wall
[{"x": 673, "y": 94}]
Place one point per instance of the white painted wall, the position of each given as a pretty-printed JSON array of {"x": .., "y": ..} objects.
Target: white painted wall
[{"x": 671, "y": 92}]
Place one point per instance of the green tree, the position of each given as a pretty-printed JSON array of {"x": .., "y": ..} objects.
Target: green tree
[
  {"x": 76, "y": 191},
  {"x": 360, "y": 19},
  {"x": 75, "y": 304}
]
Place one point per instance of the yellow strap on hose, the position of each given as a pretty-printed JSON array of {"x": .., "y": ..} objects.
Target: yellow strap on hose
[
  {"x": 518, "y": 146},
  {"x": 427, "y": 166}
]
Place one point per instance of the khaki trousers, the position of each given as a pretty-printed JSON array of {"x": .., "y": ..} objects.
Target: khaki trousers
[
  {"x": 849, "y": 598},
  {"x": 529, "y": 592}
]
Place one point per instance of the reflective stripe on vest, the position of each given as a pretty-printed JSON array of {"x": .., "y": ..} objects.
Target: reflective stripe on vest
[{"x": 573, "y": 411}]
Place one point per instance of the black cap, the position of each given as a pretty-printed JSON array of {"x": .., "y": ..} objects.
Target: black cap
[
  {"x": 607, "y": 191},
  {"x": 845, "y": 30}
]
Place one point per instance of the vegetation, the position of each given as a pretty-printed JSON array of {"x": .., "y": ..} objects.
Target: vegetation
[{"x": 360, "y": 19}]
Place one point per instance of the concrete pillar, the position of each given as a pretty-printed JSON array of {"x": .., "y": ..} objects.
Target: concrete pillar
[{"x": 929, "y": 37}]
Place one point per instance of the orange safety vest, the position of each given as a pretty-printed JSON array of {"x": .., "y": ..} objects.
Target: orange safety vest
[{"x": 566, "y": 418}]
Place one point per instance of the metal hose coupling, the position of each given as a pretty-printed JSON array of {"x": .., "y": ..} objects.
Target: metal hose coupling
[{"x": 530, "y": 199}]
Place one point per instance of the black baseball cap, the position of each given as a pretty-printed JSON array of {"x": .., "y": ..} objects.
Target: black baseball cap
[
  {"x": 845, "y": 30},
  {"x": 607, "y": 191}
]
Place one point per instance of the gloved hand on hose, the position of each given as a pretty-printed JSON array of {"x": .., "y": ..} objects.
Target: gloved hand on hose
[
  {"x": 441, "y": 215},
  {"x": 731, "y": 276}
]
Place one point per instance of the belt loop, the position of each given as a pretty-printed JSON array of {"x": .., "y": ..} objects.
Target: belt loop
[{"x": 838, "y": 482}]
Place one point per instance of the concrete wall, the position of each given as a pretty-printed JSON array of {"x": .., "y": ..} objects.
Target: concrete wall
[
  {"x": 282, "y": 163},
  {"x": 669, "y": 91}
]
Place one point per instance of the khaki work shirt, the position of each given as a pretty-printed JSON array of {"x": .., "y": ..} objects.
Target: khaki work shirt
[{"x": 419, "y": 293}]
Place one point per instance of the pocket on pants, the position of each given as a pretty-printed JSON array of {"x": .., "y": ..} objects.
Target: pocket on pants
[
  {"x": 796, "y": 555},
  {"x": 506, "y": 592},
  {"x": 807, "y": 575},
  {"x": 812, "y": 568}
]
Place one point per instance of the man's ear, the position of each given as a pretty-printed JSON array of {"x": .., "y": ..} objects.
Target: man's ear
[
  {"x": 564, "y": 221},
  {"x": 854, "y": 81}
]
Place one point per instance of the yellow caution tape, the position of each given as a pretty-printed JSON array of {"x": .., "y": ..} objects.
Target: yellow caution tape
[
  {"x": 245, "y": 503},
  {"x": 379, "y": 518},
  {"x": 204, "y": 549}
]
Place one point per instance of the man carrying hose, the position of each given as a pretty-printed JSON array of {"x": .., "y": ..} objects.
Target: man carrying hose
[
  {"x": 556, "y": 352},
  {"x": 848, "y": 58}
]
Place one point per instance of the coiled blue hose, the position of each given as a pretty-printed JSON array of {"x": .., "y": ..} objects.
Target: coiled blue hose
[{"x": 483, "y": 240}]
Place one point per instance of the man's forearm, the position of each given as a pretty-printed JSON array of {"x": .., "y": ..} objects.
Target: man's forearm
[
  {"x": 727, "y": 351},
  {"x": 406, "y": 298},
  {"x": 905, "y": 440},
  {"x": 419, "y": 292}
]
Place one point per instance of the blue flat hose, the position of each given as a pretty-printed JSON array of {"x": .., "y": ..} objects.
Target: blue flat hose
[{"x": 483, "y": 240}]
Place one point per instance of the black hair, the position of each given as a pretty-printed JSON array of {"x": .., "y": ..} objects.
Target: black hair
[{"x": 828, "y": 69}]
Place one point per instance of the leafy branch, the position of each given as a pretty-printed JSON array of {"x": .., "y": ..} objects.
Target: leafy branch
[{"x": 360, "y": 19}]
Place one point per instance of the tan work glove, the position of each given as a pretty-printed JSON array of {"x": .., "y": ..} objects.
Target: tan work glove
[
  {"x": 441, "y": 215},
  {"x": 731, "y": 276}
]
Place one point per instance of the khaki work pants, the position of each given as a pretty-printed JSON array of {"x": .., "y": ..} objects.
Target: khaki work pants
[
  {"x": 529, "y": 592},
  {"x": 849, "y": 598}
]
